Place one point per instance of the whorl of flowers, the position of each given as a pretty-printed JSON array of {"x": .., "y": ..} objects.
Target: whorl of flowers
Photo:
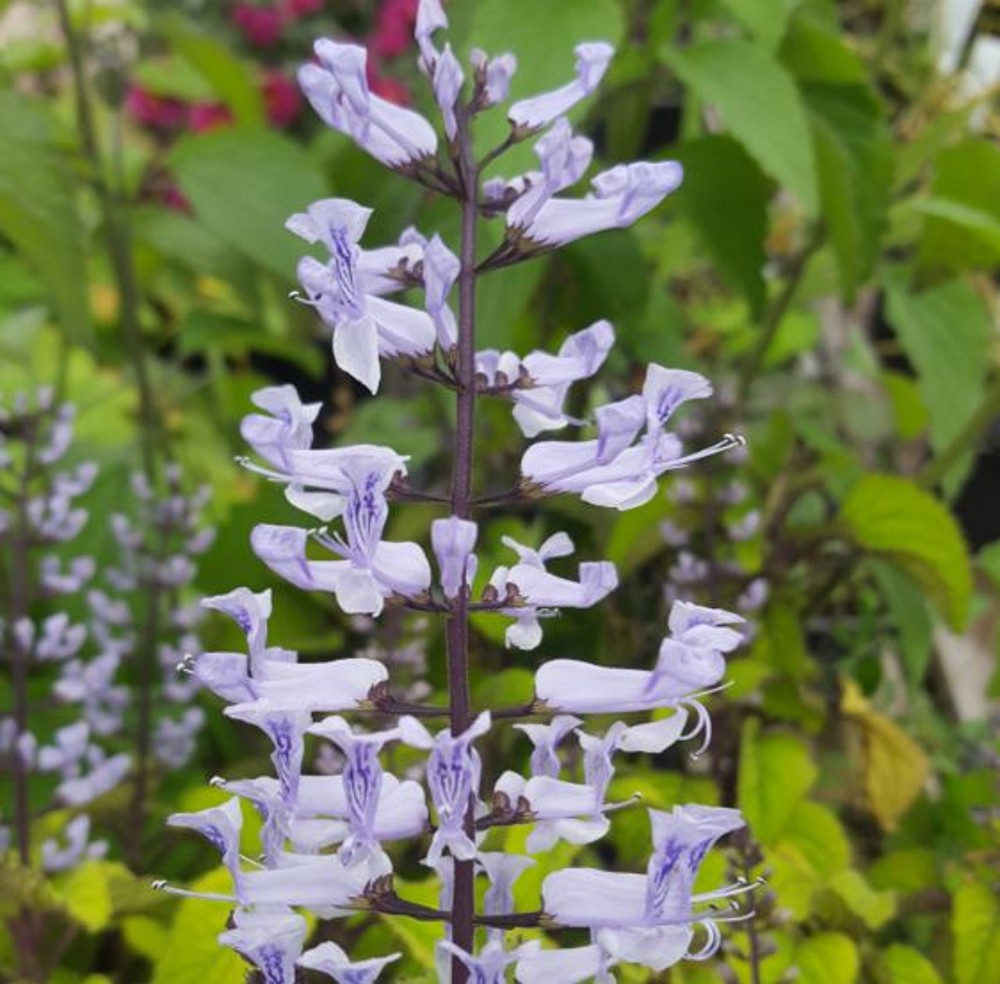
[{"x": 326, "y": 838}]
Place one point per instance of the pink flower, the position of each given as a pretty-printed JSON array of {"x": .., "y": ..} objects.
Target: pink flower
[
  {"x": 394, "y": 29},
  {"x": 155, "y": 111},
  {"x": 261, "y": 26},
  {"x": 209, "y": 116},
  {"x": 281, "y": 99},
  {"x": 295, "y": 9}
]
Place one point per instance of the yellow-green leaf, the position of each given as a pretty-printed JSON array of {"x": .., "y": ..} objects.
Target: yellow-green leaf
[
  {"x": 975, "y": 926},
  {"x": 894, "y": 767},
  {"x": 893, "y": 518},
  {"x": 775, "y": 774},
  {"x": 87, "y": 895},
  {"x": 904, "y": 965},
  {"x": 873, "y": 907},
  {"x": 827, "y": 958}
]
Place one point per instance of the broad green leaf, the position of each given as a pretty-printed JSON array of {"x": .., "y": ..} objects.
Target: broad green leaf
[
  {"x": 946, "y": 333},
  {"x": 894, "y": 767},
  {"x": 193, "y": 954},
  {"x": 542, "y": 36},
  {"x": 963, "y": 225},
  {"x": 826, "y": 958},
  {"x": 244, "y": 184},
  {"x": 765, "y": 19},
  {"x": 815, "y": 51},
  {"x": 904, "y": 965},
  {"x": 874, "y": 908},
  {"x": 175, "y": 77},
  {"x": 759, "y": 104},
  {"x": 820, "y": 837},
  {"x": 975, "y": 928},
  {"x": 895, "y": 519},
  {"x": 775, "y": 774},
  {"x": 38, "y": 213},
  {"x": 854, "y": 156},
  {"x": 724, "y": 196},
  {"x": 87, "y": 895},
  {"x": 145, "y": 936}
]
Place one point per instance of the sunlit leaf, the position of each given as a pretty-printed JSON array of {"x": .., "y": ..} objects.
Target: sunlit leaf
[
  {"x": 894, "y": 767},
  {"x": 895, "y": 519}
]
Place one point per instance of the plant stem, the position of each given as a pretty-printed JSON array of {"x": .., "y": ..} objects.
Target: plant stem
[
  {"x": 118, "y": 238},
  {"x": 457, "y": 632},
  {"x": 776, "y": 312}
]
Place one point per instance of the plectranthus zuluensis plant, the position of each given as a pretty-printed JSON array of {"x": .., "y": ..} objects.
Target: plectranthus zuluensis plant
[{"x": 326, "y": 838}]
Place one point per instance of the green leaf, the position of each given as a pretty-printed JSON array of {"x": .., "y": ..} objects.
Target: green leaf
[
  {"x": 904, "y": 965},
  {"x": 765, "y": 19},
  {"x": 542, "y": 36},
  {"x": 895, "y": 519},
  {"x": 193, "y": 954},
  {"x": 975, "y": 927},
  {"x": 87, "y": 895},
  {"x": 243, "y": 185},
  {"x": 819, "y": 836},
  {"x": 759, "y": 104},
  {"x": 854, "y": 156},
  {"x": 873, "y": 907},
  {"x": 814, "y": 51},
  {"x": 38, "y": 212},
  {"x": 724, "y": 196},
  {"x": 962, "y": 230},
  {"x": 910, "y": 618},
  {"x": 826, "y": 958},
  {"x": 946, "y": 333},
  {"x": 907, "y": 408},
  {"x": 776, "y": 772}
]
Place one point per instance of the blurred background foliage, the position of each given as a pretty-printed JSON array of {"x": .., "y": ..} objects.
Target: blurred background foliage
[{"x": 830, "y": 262}]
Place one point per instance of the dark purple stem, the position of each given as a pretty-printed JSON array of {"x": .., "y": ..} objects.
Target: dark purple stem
[{"x": 457, "y": 632}]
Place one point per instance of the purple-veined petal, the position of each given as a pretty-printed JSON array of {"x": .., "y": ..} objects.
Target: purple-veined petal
[
  {"x": 588, "y": 897},
  {"x": 330, "y": 960},
  {"x": 270, "y": 940}
]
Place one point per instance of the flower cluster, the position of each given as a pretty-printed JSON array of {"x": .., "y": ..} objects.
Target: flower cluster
[
  {"x": 327, "y": 838},
  {"x": 40, "y": 517}
]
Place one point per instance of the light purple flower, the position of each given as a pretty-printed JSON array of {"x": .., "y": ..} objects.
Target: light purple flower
[
  {"x": 620, "y": 197},
  {"x": 270, "y": 939},
  {"x": 330, "y": 960},
  {"x": 592, "y": 60},
  {"x": 616, "y": 470},
  {"x": 362, "y": 780},
  {"x": 545, "y": 738},
  {"x": 287, "y": 426},
  {"x": 533, "y": 589},
  {"x": 490, "y": 965},
  {"x": 564, "y": 159},
  {"x": 337, "y": 89},
  {"x": 493, "y": 75},
  {"x": 285, "y": 727},
  {"x": 372, "y": 569},
  {"x": 441, "y": 269},
  {"x": 454, "y": 769},
  {"x": 453, "y": 540},
  {"x": 346, "y": 292},
  {"x": 77, "y": 846}
]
